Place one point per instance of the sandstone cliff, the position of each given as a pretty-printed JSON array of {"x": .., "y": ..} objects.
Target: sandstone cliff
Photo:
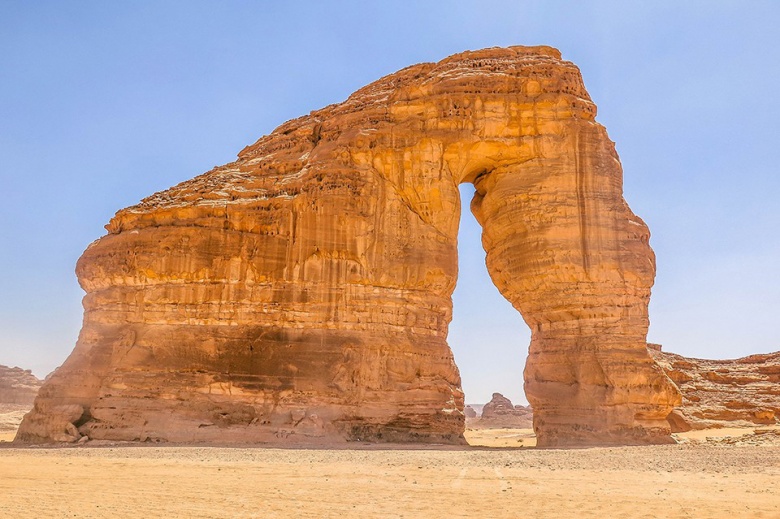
[
  {"x": 18, "y": 386},
  {"x": 303, "y": 291},
  {"x": 723, "y": 393}
]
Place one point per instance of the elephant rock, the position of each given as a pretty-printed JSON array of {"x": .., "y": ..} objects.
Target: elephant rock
[{"x": 304, "y": 290}]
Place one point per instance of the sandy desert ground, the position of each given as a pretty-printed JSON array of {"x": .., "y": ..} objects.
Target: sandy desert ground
[{"x": 725, "y": 476}]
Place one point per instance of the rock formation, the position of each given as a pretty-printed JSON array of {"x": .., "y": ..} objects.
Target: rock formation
[
  {"x": 18, "y": 386},
  {"x": 500, "y": 412},
  {"x": 723, "y": 393},
  {"x": 304, "y": 289}
]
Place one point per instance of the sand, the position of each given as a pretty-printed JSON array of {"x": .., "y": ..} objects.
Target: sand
[
  {"x": 500, "y": 437},
  {"x": 727, "y": 476},
  {"x": 10, "y": 417}
]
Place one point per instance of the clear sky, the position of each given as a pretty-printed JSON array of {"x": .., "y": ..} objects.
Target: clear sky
[{"x": 103, "y": 103}]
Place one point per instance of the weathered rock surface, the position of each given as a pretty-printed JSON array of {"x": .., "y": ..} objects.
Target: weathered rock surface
[
  {"x": 18, "y": 386},
  {"x": 500, "y": 412},
  {"x": 723, "y": 393},
  {"x": 304, "y": 289}
]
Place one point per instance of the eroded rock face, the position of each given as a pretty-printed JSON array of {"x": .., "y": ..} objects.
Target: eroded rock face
[
  {"x": 723, "y": 393},
  {"x": 500, "y": 412},
  {"x": 304, "y": 290},
  {"x": 18, "y": 386}
]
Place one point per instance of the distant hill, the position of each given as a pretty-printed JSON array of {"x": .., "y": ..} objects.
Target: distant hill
[{"x": 18, "y": 386}]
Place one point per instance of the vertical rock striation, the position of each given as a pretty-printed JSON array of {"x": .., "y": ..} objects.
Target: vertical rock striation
[{"x": 303, "y": 291}]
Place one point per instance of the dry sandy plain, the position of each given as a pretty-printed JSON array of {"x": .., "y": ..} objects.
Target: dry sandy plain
[{"x": 734, "y": 474}]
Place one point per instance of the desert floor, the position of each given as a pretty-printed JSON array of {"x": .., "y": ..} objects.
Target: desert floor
[{"x": 723, "y": 476}]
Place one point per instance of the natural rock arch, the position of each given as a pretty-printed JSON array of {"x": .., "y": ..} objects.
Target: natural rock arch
[{"x": 304, "y": 290}]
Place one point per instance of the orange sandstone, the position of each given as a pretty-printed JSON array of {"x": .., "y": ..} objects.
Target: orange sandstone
[
  {"x": 303, "y": 291},
  {"x": 743, "y": 392}
]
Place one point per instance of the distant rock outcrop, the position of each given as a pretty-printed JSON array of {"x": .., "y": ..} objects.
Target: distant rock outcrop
[
  {"x": 18, "y": 386},
  {"x": 500, "y": 412},
  {"x": 723, "y": 393}
]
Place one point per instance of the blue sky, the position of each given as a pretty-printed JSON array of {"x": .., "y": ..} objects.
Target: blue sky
[{"x": 103, "y": 103}]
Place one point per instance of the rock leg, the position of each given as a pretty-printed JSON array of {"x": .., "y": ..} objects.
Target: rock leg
[{"x": 565, "y": 249}]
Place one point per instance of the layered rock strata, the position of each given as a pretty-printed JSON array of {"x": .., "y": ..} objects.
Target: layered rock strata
[
  {"x": 304, "y": 289},
  {"x": 723, "y": 393},
  {"x": 18, "y": 386}
]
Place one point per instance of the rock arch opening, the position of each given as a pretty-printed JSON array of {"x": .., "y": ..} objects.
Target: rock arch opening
[
  {"x": 304, "y": 290},
  {"x": 488, "y": 337}
]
